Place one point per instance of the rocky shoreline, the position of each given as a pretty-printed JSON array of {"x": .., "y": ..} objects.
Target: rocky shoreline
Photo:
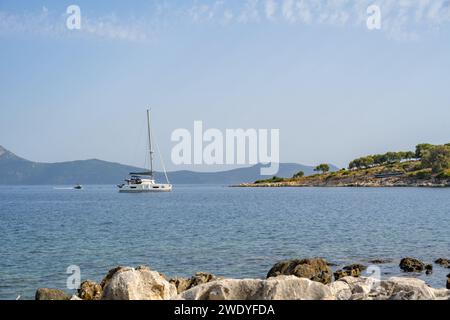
[
  {"x": 367, "y": 182},
  {"x": 402, "y": 174},
  {"x": 341, "y": 185},
  {"x": 306, "y": 279}
]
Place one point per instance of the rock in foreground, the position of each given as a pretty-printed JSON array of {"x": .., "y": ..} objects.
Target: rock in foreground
[
  {"x": 51, "y": 294},
  {"x": 294, "y": 288},
  {"x": 137, "y": 284},
  {"x": 183, "y": 284},
  {"x": 395, "y": 288},
  {"x": 315, "y": 269},
  {"x": 90, "y": 290},
  {"x": 279, "y": 288}
]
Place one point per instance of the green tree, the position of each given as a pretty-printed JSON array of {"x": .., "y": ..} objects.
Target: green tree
[
  {"x": 393, "y": 157},
  {"x": 299, "y": 174},
  {"x": 421, "y": 148},
  {"x": 367, "y": 162},
  {"x": 409, "y": 155},
  {"x": 352, "y": 165},
  {"x": 437, "y": 158},
  {"x": 324, "y": 168},
  {"x": 356, "y": 164},
  {"x": 401, "y": 155},
  {"x": 379, "y": 159}
]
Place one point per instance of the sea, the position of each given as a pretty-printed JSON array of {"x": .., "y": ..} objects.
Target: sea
[{"x": 230, "y": 232}]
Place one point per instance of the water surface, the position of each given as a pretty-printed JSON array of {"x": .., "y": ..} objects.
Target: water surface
[{"x": 230, "y": 232}]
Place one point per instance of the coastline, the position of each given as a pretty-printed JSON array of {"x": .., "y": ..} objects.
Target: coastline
[
  {"x": 358, "y": 178},
  {"x": 428, "y": 166},
  {"x": 342, "y": 185}
]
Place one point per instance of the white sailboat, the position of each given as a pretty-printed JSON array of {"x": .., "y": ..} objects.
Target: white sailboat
[{"x": 145, "y": 181}]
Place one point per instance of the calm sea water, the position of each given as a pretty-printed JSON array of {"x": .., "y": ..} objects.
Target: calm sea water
[{"x": 227, "y": 231}]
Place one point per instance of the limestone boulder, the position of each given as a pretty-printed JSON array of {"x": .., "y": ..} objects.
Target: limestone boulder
[
  {"x": 360, "y": 287},
  {"x": 90, "y": 290},
  {"x": 51, "y": 294},
  {"x": 183, "y": 284},
  {"x": 140, "y": 283},
  {"x": 399, "y": 288},
  {"x": 110, "y": 274},
  {"x": 395, "y": 288},
  {"x": 340, "y": 290},
  {"x": 278, "y": 288},
  {"x": 294, "y": 288}
]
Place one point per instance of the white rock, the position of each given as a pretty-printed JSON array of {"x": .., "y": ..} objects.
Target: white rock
[
  {"x": 277, "y": 288},
  {"x": 411, "y": 289},
  {"x": 340, "y": 290},
  {"x": 138, "y": 284},
  {"x": 360, "y": 287},
  {"x": 395, "y": 288}
]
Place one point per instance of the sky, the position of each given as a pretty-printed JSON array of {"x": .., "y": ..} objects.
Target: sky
[{"x": 334, "y": 88}]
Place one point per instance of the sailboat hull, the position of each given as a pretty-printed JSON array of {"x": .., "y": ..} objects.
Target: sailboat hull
[{"x": 144, "y": 188}]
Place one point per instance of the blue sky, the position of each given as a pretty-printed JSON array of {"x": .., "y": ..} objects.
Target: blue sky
[{"x": 310, "y": 68}]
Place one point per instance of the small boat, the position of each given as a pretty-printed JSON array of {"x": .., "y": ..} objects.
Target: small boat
[
  {"x": 78, "y": 187},
  {"x": 140, "y": 182}
]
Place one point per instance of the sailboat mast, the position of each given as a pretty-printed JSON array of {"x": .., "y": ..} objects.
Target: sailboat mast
[{"x": 150, "y": 142}]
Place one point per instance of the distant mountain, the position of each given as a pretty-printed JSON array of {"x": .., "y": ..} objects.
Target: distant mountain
[
  {"x": 235, "y": 176},
  {"x": 18, "y": 171},
  {"x": 15, "y": 170}
]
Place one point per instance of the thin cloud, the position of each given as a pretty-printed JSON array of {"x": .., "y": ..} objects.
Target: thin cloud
[
  {"x": 199, "y": 12},
  {"x": 401, "y": 19},
  {"x": 304, "y": 12},
  {"x": 250, "y": 12},
  {"x": 204, "y": 12},
  {"x": 38, "y": 23},
  {"x": 110, "y": 27},
  {"x": 271, "y": 8},
  {"x": 228, "y": 16},
  {"x": 45, "y": 24},
  {"x": 288, "y": 10}
]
